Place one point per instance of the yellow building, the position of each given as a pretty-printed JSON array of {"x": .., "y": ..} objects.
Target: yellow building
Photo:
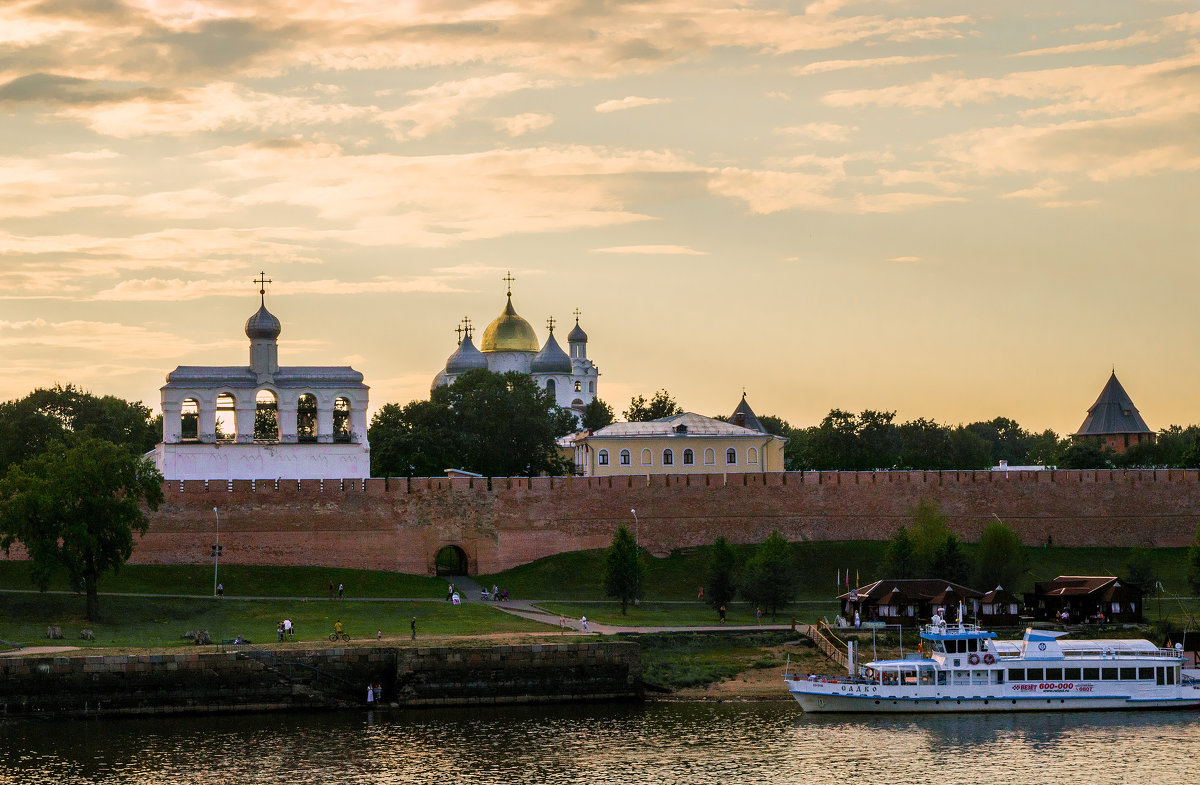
[{"x": 687, "y": 443}]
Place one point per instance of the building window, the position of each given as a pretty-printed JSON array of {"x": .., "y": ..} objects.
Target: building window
[
  {"x": 189, "y": 420},
  {"x": 688, "y": 457},
  {"x": 646, "y": 456},
  {"x": 668, "y": 458},
  {"x": 226, "y": 420},
  {"x": 341, "y": 420},
  {"x": 266, "y": 417},
  {"x": 752, "y": 455},
  {"x": 602, "y": 458},
  {"x": 710, "y": 457},
  {"x": 592, "y": 387},
  {"x": 550, "y": 386},
  {"x": 306, "y": 418},
  {"x": 624, "y": 457},
  {"x": 731, "y": 456},
  {"x": 578, "y": 386}
]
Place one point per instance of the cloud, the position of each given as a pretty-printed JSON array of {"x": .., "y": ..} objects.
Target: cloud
[
  {"x": 825, "y": 66},
  {"x": 521, "y": 124},
  {"x": 175, "y": 290},
  {"x": 628, "y": 102},
  {"x": 771, "y": 191},
  {"x": 821, "y": 132},
  {"x": 682, "y": 250},
  {"x": 438, "y": 107},
  {"x": 68, "y": 90},
  {"x": 111, "y": 339},
  {"x": 1102, "y": 45},
  {"x": 905, "y": 259},
  {"x": 443, "y": 200}
]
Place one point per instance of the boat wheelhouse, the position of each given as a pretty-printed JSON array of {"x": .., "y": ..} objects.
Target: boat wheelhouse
[{"x": 965, "y": 668}]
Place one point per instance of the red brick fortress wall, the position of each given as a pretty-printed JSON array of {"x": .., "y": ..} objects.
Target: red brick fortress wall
[{"x": 400, "y": 524}]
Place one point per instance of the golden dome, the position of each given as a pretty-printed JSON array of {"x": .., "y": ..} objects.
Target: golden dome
[{"x": 508, "y": 332}]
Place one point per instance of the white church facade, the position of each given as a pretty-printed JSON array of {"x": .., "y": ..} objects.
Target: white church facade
[
  {"x": 510, "y": 344},
  {"x": 264, "y": 421}
]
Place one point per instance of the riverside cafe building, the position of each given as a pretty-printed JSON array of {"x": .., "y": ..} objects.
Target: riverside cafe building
[{"x": 908, "y": 601}]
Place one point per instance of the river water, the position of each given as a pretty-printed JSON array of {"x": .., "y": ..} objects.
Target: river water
[{"x": 690, "y": 743}]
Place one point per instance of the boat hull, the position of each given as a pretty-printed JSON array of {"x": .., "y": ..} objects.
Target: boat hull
[{"x": 822, "y": 701}]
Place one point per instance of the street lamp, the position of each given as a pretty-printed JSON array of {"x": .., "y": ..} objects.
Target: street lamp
[
  {"x": 635, "y": 528},
  {"x": 216, "y": 549}
]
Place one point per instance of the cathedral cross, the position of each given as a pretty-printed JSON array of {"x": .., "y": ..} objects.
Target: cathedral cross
[
  {"x": 262, "y": 280},
  {"x": 459, "y": 330},
  {"x": 509, "y": 279},
  {"x": 576, "y": 316},
  {"x": 550, "y": 323},
  {"x": 467, "y": 326}
]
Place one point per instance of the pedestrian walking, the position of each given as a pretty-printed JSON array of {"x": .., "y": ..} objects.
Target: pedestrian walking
[
  {"x": 378, "y": 693},
  {"x": 220, "y": 590},
  {"x": 279, "y": 630},
  {"x": 379, "y": 634},
  {"x": 288, "y": 628},
  {"x": 413, "y": 624},
  {"x": 331, "y": 590},
  {"x": 370, "y": 694},
  {"x": 721, "y": 613},
  {"x": 700, "y": 594},
  {"x": 562, "y": 625},
  {"x": 758, "y": 614},
  {"x": 449, "y": 592},
  {"x": 583, "y": 623},
  {"x": 341, "y": 589}
]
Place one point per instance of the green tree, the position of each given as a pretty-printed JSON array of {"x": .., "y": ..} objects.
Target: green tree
[
  {"x": 929, "y": 536},
  {"x": 898, "y": 557},
  {"x": 76, "y": 505},
  {"x": 769, "y": 579},
  {"x": 659, "y": 406},
  {"x": 596, "y": 415},
  {"x": 498, "y": 425},
  {"x": 1000, "y": 559},
  {"x": 1139, "y": 570},
  {"x": 29, "y": 425},
  {"x": 1193, "y": 576},
  {"x": 623, "y": 569},
  {"x": 720, "y": 584},
  {"x": 1086, "y": 454},
  {"x": 923, "y": 444}
]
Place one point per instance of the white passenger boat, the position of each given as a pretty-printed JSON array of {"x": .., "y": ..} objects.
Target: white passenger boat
[{"x": 964, "y": 668}]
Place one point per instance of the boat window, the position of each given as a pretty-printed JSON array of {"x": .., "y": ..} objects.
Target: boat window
[
  {"x": 1145, "y": 673},
  {"x": 890, "y": 677},
  {"x": 926, "y": 676},
  {"x": 997, "y": 676},
  {"x": 1160, "y": 677},
  {"x": 1128, "y": 674},
  {"x": 972, "y": 645},
  {"x": 1171, "y": 674},
  {"x": 1033, "y": 674},
  {"x": 1016, "y": 674},
  {"x": 943, "y": 678},
  {"x": 909, "y": 677},
  {"x": 1091, "y": 674},
  {"x": 1053, "y": 674},
  {"x": 1108, "y": 674},
  {"x": 1072, "y": 674}
]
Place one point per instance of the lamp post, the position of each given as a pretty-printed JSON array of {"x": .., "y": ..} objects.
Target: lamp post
[
  {"x": 216, "y": 549},
  {"x": 635, "y": 529}
]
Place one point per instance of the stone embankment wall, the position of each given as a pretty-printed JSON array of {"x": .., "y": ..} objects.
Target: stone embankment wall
[
  {"x": 500, "y": 523},
  {"x": 257, "y": 680}
]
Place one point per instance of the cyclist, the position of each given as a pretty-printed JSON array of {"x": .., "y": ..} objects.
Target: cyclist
[{"x": 337, "y": 627}]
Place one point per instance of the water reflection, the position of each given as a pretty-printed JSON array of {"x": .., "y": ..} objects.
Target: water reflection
[{"x": 621, "y": 744}]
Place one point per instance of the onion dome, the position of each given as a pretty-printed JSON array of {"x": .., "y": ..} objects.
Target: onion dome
[
  {"x": 551, "y": 359},
  {"x": 577, "y": 335},
  {"x": 508, "y": 332},
  {"x": 465, "y": 358},
  {"x": 262, "y": 325},
  {"x": 439, "y": 380}
]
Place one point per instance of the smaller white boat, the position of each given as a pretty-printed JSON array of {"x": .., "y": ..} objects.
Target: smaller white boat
[{"x": 964, "y": 668}]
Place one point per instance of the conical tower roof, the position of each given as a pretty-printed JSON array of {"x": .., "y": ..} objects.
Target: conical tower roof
[
  {"x": 508, "y": 332},
  {"x": 743, "y": 415},
  {"x": 551, "y": 359},
  {"x": 1113, "y": 412},
  {"x": 465, "y": 358}
]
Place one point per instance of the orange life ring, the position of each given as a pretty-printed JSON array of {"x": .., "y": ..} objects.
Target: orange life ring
[
  {"x": 988, "y": 659},
  {"x": 973, "y": 659}
]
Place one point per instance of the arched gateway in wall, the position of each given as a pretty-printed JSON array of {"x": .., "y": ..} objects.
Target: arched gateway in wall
[{"x": 451, "y": 560}]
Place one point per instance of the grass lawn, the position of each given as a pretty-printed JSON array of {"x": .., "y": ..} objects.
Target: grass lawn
[
  {"x": 242, "y": 581},
  {"x": 689, "y": 660},
  {"x": 657, "y": 614},
  {"x": 161, "y": 621}
]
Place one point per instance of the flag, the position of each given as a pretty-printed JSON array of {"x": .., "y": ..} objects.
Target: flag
[{"x": 839, "y": 578}]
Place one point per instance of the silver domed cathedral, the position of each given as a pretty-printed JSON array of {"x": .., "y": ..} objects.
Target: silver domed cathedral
[{"x": 509, "y": 343}]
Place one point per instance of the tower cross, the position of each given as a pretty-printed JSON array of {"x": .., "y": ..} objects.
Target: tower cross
[
  {"x": 467, "y": 326},
  {"x": 550, "y": 323},
  {"x": 508, "y": 278},
  {"x": 262, "y": 280},
  {"x": 459, "y": 330},
  {"x": 576, "y": 316}
]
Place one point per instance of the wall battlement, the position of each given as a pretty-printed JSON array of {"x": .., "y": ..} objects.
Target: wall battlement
[{"x": 400, "y": 524}]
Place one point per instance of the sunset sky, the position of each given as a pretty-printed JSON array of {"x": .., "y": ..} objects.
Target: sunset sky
[{"x": 954, "y": 210}]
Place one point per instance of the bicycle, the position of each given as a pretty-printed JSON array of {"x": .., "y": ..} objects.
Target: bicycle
[{"x": 333, "y": 636}]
